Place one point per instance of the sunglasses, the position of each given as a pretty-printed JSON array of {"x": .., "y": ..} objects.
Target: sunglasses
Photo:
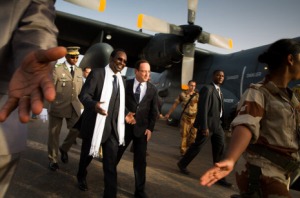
[
  {"x": 122, "y": 60},
  {"x": 73, "y": 57}
]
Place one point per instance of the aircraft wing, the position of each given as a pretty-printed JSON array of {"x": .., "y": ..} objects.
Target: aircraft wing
[
  {"x": 161, "y": 50},
  {"x": 84, "y": 32}
]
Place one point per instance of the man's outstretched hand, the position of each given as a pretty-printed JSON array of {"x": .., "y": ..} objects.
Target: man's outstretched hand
[{"x": 32, "y": 83}]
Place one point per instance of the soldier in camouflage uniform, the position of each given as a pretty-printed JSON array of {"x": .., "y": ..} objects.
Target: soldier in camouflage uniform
[
  {"x": 189, "y": 100},
  {"x": 266, "y": 129},
  {"x": 65, "y": 106}
]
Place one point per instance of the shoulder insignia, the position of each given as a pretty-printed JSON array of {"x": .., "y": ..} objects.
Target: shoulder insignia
[
  {"x": 256, "y": 85},
  {"x": 58, "y": 65}
]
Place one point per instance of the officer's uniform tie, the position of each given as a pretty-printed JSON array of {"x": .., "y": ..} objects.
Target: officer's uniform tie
[{"x": 72, "y": 71}]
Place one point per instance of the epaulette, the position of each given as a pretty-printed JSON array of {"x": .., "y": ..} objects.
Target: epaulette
[
  {"x": 257, "y": 85},
  {"x": 58, "y": 65}
]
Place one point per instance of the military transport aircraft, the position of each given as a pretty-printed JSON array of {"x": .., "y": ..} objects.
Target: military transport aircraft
[{"x": 172, "y": 54}]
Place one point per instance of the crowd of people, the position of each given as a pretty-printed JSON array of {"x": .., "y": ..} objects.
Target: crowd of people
[{"x": 108, "y": 111}]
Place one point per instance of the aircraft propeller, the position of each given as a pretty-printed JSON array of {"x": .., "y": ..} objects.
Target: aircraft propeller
[
  {"x": 98, "y": 5},
  {"x": 190, "y": 33}
]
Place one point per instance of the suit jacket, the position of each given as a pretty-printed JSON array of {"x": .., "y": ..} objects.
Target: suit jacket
[
  {"x": 145, "y": 112},
  {"x": 67, "y": 91},
  {"x": 209, "y": 108},
  {"x": 89, "y": 96},
  {"x": 21, "y": 33}
]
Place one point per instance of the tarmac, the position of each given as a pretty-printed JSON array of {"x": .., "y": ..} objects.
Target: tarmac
[{"x": 33, "y": 179}]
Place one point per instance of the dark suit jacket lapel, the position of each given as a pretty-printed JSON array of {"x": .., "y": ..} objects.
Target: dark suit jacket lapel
[
  {"x": 130, "y": 89},
  {"x": 218, "y": 96},
  {"x": 216, "y": 92}
]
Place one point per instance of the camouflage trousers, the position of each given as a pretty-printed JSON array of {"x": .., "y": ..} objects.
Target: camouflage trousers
[
  {"x": 187, "y": 132},
  {"x": 253, "y": 184}
]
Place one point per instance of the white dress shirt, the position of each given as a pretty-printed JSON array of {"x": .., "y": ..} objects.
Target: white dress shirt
[{"x": 69, "y": 66}]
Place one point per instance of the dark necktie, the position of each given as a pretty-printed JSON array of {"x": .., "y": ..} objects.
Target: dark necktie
[
  {"x": 114, "y": 96},
  {"x": 111, "y": 126},
  {"x": 115, "y": 84},
  {"x": 219, "y": 92},
  {"x": 137, "y": 93},
  {"x": 221, "y": 97},
  {"x": 72, "y": 71}
]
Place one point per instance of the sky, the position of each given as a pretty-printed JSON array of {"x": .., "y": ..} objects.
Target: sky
[{"x": 249, "y": 23}]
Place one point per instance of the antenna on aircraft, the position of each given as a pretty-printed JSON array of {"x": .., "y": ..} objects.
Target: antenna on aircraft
[
  {"x": 98, "y": 5},
  {"x": 190, "y": 33}
]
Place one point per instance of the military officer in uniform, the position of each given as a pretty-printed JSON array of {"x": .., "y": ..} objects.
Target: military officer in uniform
[
  {"x": 189, "y": 101},
  {"x": 67, "y": 78}
]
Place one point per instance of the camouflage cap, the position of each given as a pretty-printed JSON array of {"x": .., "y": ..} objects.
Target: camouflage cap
[{"x": 73, "y": 50}]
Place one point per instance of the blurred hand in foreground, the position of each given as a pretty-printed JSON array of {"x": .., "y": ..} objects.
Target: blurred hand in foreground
[
  {"x": 219, "y": 171},
  {"x": 32, "y": 83}
]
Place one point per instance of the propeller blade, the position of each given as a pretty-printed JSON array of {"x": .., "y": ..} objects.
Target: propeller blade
[
  {"x": 157, "y": 25},
  {"x": 215, "y": 40},
  {"x": 187, "y": 69},
  {"x": 192, "y": 9},
  {"x": 91, "y": 4}
]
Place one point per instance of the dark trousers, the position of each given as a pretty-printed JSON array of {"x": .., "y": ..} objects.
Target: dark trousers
[
  {"x": 139, "y": 160},
  {"x": 217, "y": 142},
  {"x": 110, "y": 150},
  {"x": 85, "y": 159}
]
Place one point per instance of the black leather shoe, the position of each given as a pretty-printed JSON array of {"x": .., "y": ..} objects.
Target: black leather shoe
[
  {"x": 82, "y": 185},
  {"x": 53, "y": 166},
  {"x": 140, "y": 195},
  {"x": 183, "y": 169},
  {"x": 64, "y": 156},
  {"x": 224, "y": 183}
]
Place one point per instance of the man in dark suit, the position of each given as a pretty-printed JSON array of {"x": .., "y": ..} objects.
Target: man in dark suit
[
  {"x": 102, "y": 121},
  {"x": 141, "y": 99},
  {"x": 208, "y": 122}
]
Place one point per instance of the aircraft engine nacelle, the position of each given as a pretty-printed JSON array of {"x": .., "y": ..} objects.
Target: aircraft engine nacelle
[
  {"x": 97, "y": 56},
  {"x": 163, "y": 50}
]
